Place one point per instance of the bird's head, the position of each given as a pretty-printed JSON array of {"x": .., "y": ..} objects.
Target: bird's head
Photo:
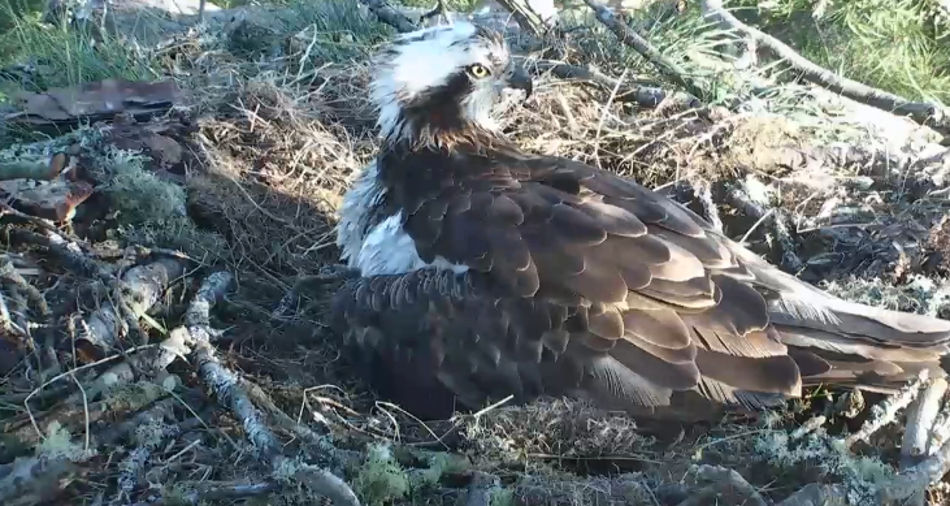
[{"x": 439, "y": 83}]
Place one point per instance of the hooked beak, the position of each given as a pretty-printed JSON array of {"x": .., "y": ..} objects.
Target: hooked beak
[{"x": 519, "y": 79}]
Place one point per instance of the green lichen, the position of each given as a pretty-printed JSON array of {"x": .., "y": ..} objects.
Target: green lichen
[
  {"x": 501, "y": 497},
  {"x": 58, "y": 445},
  {"x": 918, "y": 294},
  {"x": 863, "y": 477},
  {"x": 138, "y": 196},
  {"x": 380, "y": 480}
]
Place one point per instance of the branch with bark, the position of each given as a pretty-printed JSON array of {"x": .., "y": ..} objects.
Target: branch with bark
[
  {"x": 387, "y": 14},
  {"x": 143, "y": 286},
  {"x": 227, "y": 388},
  {"x": 925, "y": 113},
  {"x": 642, "y": 95},
  {"x": 629, "y": 37},
  {"x": 527, "y": 18}
]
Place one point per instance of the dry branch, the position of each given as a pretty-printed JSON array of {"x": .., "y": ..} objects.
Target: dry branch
[
  {"x": 924, "y": 113},
  {"x": 629, "y": 37},
  {"x": 33, "y": 169},
  {"x": 33, "y": 480},
  {"x": 527, "y": 18},
  {"x": 143, "y": 286},
  {"x": 227, "y": 388},
  {"x": 643, "y": 96},
  {"x": 885, "y": 413},
  {"x": 921, "y": 417},
  {"x": 387, "y": 14}
]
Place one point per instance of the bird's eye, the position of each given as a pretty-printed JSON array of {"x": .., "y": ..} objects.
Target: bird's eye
[{"x": 478, "y": 71}]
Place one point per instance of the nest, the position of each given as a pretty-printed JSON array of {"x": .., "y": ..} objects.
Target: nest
[{"x": 205, "y": 217}]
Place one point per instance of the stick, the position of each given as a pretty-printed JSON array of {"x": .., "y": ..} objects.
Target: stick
[
  {"x": 631, "y": 38},
  {"x": 33, "y": 169},
  {"x": 387, "y": 14},
  {"x": 923, "y": 113},
  {"x": 740, "y": 199},
  {"x": 144, "y": 286},
  {"x": 643, "y": 96},
  {"x": 921, "y": 418},
  {"x": 226, "y": 387},
  {"x": 885, "y": 412},
  {"x": 526, "y": 17}
]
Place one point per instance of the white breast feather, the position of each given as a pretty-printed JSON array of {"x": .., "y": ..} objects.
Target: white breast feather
[
  {"x": 385, "y": 248},
  {"x": 388, "y": 249},
  {"x": 365, "y": 194}
]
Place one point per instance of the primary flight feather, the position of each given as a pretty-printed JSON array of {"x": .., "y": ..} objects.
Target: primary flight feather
[{"x": 487, "y": 271}]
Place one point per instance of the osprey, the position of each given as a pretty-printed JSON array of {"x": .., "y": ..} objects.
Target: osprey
[{"x": 487, "y": 271}]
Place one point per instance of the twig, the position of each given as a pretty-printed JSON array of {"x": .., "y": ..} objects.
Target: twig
[
  {"x": 197, "y": 492},
  {"x": 739, "y": 198},
  {"x": 387, "y": 14},
  {"x": 921, "y": 418},
  {"x": 440, "y": 9},
  {"x": 726, "y": 486},
  {"x": 143, "y": 286},
  {"x": 631, "y": 38},
  {"x": 526, "y": 17},
  {"x": 885, "y": 412},
  {"x": 643, "y": 96},
  {"x": 924, "y": 113},
  {"x": 33, "y": 169},
  {"x": 54, "y": 379}
]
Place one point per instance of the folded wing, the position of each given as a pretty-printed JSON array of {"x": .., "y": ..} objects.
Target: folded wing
[{"x": 582, "y": 282}]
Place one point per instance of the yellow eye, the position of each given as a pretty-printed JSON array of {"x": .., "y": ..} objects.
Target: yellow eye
[{"x": 478, "y": 71}]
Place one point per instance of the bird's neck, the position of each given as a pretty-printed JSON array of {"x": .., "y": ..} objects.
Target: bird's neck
[{"x": 439, "y": 127}]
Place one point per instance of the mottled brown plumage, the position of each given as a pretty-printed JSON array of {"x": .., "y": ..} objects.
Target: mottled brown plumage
[{"x": 582, "y": 283}]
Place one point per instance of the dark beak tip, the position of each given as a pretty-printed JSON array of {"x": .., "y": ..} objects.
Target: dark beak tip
[{"x": 522, "y": 81}]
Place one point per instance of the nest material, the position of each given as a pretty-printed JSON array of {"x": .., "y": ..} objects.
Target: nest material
[{"x": 264, "y": 174}]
